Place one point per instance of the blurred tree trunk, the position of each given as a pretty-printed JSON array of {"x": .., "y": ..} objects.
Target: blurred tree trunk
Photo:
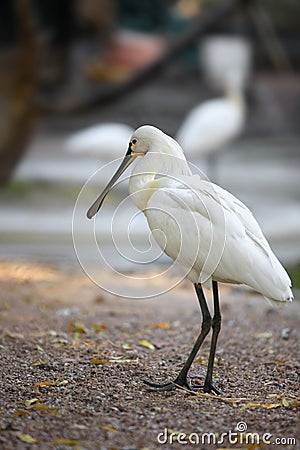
[{"x": 17, "y": 85}]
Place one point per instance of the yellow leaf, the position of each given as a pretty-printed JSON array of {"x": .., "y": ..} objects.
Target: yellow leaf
[
  {"x": 174, "y": 432},
  {"x": 269, "y": 350},
  {"x": 43, "y": 384},
  {"x": 285, "y": 402},
  {"x": 99, "y": 361},
  {"x": 79, "y": 426},
  {"x": 77, "y": 327},
  {"x": 98, "y": 327},
  {"x": 12, "y": 335},
  {"x": 59, "y": 341},
  {"x": 68, "y": 442},
  {"x": 40, "y": 363},
  {"x": 271, "y": 405},
  {"x": 27, "y": 438},
  {"x": 296, "y": 403},
  {"x": 146, "y": 344},
  {"x": 36, "y": 405},
  {"x": 20, "y": 412},
  {"x": 265, "y": 335},
  {"x": 108, "y": 428},
  {"x": 163, "y": 325},
  {"x": 251, "y": 406},
  {"x": 31, "y": 402},
  {"x": 126, "y": 346},
  {"x": 49, "y": 383},
  {"x": 175, "y": 435},
  {"x": 53, "y": 333}
]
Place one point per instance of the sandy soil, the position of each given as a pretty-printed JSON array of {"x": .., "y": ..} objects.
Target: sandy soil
[{"x": 73, "y": 359}]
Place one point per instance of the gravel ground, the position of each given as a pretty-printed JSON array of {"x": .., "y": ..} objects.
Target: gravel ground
[{"x": 74, "y": 357}]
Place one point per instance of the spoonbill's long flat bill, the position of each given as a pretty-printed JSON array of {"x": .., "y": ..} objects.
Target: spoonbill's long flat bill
[{"x": 205, "y": 229}]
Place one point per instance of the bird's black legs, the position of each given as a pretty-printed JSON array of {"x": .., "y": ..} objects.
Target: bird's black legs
[
  {"x": 205, "y": 328},
  {"x": 216, "y": 327},
  {"x": 207, "y": 323}
]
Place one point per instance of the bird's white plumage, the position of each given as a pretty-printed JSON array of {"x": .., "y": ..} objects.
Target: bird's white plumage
[
  {"x": 211, "y": 125},
  {"x": 105, "y": 140},
  {"x": 208, "y": 231},
  {"x": 225, "y": 58}
]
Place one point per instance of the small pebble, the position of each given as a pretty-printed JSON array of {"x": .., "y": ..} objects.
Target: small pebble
[{"x": 285, "y": 333}]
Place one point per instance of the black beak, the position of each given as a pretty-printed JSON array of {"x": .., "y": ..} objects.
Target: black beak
[{"x": 127, "y": 160}]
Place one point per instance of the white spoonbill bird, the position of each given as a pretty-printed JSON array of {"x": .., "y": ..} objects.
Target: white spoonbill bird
[
  {"x": 205, "y": 229},
  {"x": 104, "y": 140},
  {"x": 226, "y": 63},
  {"x": 213, "y": 124}
]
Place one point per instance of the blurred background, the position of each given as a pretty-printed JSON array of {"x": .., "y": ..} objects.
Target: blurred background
[{"x": 77, "y": 76}]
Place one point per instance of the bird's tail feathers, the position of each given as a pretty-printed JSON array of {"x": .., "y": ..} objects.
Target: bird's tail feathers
[{"x": 279, "y": 303}]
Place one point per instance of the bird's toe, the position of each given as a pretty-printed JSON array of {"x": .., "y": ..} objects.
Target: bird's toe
[
  {"x": 210, "y": 387},
  {"x": 159, "y": 386}
]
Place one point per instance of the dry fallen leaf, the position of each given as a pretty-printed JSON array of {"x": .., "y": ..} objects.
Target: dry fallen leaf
[
  {"x": 27, "y": 438},
  {"x": 271, "y": 405},
  {"x": 99, "y": 361},
  {"x": 250, "y": 406},
  {"x": 43, "y": 384},
  {"x": 77, "y": 327},
  {"x": 79, "y": 426},
  {"x": 126, "y": 347},
  {"x": 49, "y": 383},
  {"x": 265, "y": 335},
  {"x": 120, "y": 359},
  {"x": 37, "y": 405},
  {"x": 45, "y": 364},
  {"x": 31, "y": 402},
  {"x": 288, "y": 403},
  {"x": 12, "y": 335},
  {"x": 285, "y": 402},
  {"x": 40, "y": 349},
  {"x": 163, "y": 325},
  {"x": 20, "y": 412},
  {"x": 108, "y": 428},
  {"x": 147, "y": 344},
  {"x": 68, "y": 442},
  {"x": 98, "y": 327}
]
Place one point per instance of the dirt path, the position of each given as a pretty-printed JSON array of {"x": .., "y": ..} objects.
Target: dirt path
[{"x": 73, "y": 359}]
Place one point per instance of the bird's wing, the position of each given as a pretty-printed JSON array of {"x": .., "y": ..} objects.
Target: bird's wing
[
  {"x": 188, "y": 224},
  {"x": 240, "y": 220},
  {"x": 210, "y": 125},
  {"x": 209, "y": 231}
]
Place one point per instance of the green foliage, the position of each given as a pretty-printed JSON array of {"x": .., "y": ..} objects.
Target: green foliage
[{"x": 294, "y": 273}]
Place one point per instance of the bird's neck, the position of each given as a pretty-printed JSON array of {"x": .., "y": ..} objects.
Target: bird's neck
[
  {"x": 154, "y": 171},
  {"x": 235, "y": 95}
]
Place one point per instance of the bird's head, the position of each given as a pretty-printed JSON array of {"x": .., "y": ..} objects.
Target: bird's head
[
  {"x": 139, "y": 144},
  {"x": 146, "y": 139}
]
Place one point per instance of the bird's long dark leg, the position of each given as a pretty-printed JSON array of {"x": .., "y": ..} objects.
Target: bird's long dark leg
[
  {"x": 181, "y": 379},
  {"x": 216, "y": 327}
]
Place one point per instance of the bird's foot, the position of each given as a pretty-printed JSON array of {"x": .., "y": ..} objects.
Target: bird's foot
[
  {"x": 182, "y": 383},
  {"x": 209, "y": 387},
  {"x": 177, "y": 383}
]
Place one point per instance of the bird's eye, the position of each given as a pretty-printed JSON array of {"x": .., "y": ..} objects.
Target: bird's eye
[{"x": 134, "y": 141}]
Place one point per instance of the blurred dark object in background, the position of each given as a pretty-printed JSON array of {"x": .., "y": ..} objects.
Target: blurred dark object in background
[
  {"x": 17, "y": 83},
  {"x": 71, "y": 52}
]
